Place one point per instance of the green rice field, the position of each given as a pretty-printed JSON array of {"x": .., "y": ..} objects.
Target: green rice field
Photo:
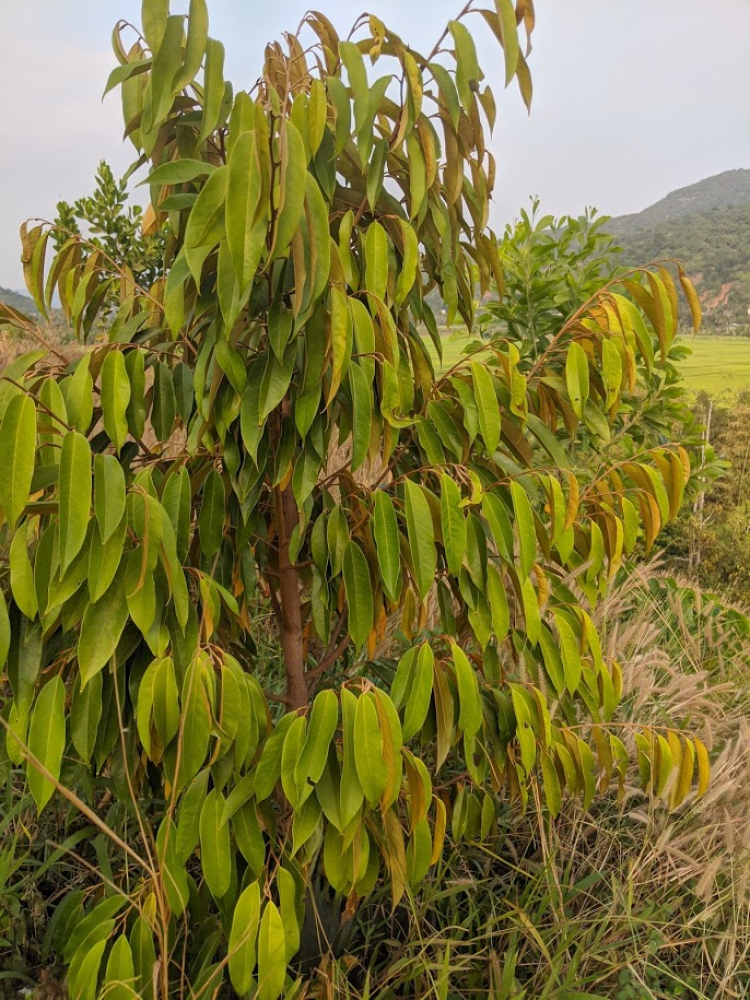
[{"x": 719, "y": 366}]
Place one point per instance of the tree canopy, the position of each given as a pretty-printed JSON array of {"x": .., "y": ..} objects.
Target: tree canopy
[{"x": 264, "y": 426}]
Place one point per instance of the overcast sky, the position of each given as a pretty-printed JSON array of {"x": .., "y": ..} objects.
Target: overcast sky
[{"x": 633, "y": 98}]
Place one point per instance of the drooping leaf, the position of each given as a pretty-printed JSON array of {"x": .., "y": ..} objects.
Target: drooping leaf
[
  {"x": 109, "y": 494},
  {"x": 271, "y": 954},
  {"x": 102, "y": 626},
  {"x": 215, "y": 845},
  {"x": 421, "y": 537},
  {"x": 212, "y": 514},
  {"x": 368, "y": 749},
  {"x": 17, "y": 455},
  {"x": 75, "y": 496},
  {"x": 115, "y": 396},
  {"x": 243, "y": 939},
  {"x": 388, "y": 545},
  {"x": 47, "y": 740},
  {"x": 358, "y": 594}
]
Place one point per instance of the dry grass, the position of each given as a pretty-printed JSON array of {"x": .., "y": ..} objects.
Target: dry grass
[{"x": 628, "y": 901}]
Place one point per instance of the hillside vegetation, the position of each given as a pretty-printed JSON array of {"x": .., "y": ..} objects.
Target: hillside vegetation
[
  {"x": 707, "y": 226},
  {"x": 17, "y": 300}
]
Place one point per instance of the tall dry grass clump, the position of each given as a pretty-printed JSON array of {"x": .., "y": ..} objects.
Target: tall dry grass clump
[{"x": 629, "y": 901}]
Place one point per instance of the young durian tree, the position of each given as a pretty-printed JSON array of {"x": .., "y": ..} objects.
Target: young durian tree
[{"x": 269, "y": 425}]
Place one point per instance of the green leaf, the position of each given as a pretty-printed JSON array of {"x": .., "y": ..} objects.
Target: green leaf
[
  {"x": 409, "y": 262},
  {"x": 355, "y": 68},
  {"x": 102, "y": 626},
  {"x": 215, "y": 845},
  {"x": 376, "y": 260},
  {"x": 75, "y": 496},
  {"x": 5, "y": 634},
  {"x": 577, "y": 378},
  {"x": 85, "y": 714},
  {"x": 358, "y": 594},
  {"x": 119, "y": 979},
  {"x": 22, "y": 576},
  {"x": 268, "y": 770},
  {"x": 197, "y": 40},
  {"x": 498, "y": 603},
  {"x": 174, "y": 874},
  {"x": 292, "y": 188},
  {"x": 144, "y": 957},
  {"x": 165, "y": 701},
  {"x": 496, "y": 515},
  {"x": 104, "y": 560},
  {"x": 79, "y": 400},
  {"x": 524, "y": 528},
  {"x": 115, "y": 395},
  {"x": 368, "y": 749},
  {"x": 213, "y": 88},
  {"x": 189, "y": 815},
  {"x": 276, "y": 378},
  {"x": 231, "y": 363},
  {"x": 196, "y": 725},
  {"x": 165, "y": 67},
  {"x": 246, "y": 209},
  {"x": 84, "y": 971},
  {"x": 242, "y": 939},
  {"x": 179, "y": 171},
  {"x": 506, "y": 14},
  {"x": 205, "y": 226},
  {"x": 164, "y": 407},
  {"x": 351, "y": 792},
  {"x": 387, "y": 545},
  {"x": 487, "y": 406},
  {"x": 468, "y": 73},
  {"x": 177, "y": 502},
  {"x": 17, "y": 456},
  {"x": 453, "y": 524},
  {"x": 312, "y": 761},
  {"x": 420, "y": 693},
  {"x": 570, "y": 653},
  {"x": 290, "y": 754},
  {"x": 109, "y": 494},
  {"x": 341, "y": 340},
  {"x": 154, "y": 15},
  {"x": 212, "y": 514},
  {"x": 135, "y": 367},
  {"x": 47, "y": 740},
  {"x": 271, "y": 954},
  {"x": 421, "y": 537},
  {"x": 362, "y": 409},
  {"x": 470, "y": 705}
]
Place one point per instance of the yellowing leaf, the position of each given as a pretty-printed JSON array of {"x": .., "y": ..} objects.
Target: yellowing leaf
[{"x": 577, "y": 378}]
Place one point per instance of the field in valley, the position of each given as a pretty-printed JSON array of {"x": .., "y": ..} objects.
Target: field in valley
[{"x": 719, "y": 366}]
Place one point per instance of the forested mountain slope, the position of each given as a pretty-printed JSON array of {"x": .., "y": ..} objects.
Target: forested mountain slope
[{"x": 707, "y": 226}]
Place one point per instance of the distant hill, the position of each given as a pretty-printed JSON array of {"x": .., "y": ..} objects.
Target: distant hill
[
  {"x": 17, "y": 300},
  {"x": 707, "y": 226},
  {"x": 732, "y": 188}
]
